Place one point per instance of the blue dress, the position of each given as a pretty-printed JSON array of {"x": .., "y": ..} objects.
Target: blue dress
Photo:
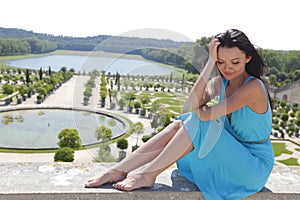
[{"x": 228, "y": 160}]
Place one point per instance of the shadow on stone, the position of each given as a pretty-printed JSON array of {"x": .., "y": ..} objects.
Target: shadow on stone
[
  {"x": 265, "y": 190},
  {"x": 179, "y": 182},
  {"x": 175, "y": 183}
]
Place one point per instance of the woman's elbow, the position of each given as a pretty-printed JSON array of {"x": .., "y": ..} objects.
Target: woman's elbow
[
  {"x": 202, "y": 114},
  {"x": 204, "y": 117}
]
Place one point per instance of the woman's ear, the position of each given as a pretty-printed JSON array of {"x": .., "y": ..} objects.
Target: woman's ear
[{"x": 248, "y": 58}]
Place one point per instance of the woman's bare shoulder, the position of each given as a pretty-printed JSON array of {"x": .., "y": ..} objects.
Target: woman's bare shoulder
[
  {"x": 256, "y": 84},
  {"x": 258, "y": 93}
]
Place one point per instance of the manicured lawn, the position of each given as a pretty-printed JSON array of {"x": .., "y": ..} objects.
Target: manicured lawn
[
  {"x": 279, "y": 148},
  {"x": 176, "y": 109},
  {"x": 163, "y": 95},
  {"x": 290, "y": 161},
  {"x": 26, "y": 151},
  {"x": 171, "y": 102}
]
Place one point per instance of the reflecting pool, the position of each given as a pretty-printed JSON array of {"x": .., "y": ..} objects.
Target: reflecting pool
[{"x": 38, "y": 128}]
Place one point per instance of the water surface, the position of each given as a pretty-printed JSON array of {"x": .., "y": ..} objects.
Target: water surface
[
  {"x": 30, "y": 129},
  {"x": 88, "y": 63}
]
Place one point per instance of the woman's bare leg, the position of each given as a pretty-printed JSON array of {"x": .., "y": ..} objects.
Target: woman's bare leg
[
  {"x": 138, "y": 158},
  {"x": 179, "y": 146}
]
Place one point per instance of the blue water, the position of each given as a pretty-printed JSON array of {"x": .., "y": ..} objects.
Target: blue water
[
  {"x": 88, "y": 63},
  {"x": 41, "y": 127}
]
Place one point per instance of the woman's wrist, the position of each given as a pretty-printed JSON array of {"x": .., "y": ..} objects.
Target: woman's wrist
[{"x": 211, "y": 62}]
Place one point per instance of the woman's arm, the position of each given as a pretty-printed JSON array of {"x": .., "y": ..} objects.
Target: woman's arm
[
  {"x": 251, "y": 94},
  {"x": 199, "y": 96}
]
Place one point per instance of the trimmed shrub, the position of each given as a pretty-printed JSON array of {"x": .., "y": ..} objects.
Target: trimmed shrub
[
  {"x": 69, "y": 137},
  {"x": 122, "y": 144},
  {"x": 65, "y": 154}
]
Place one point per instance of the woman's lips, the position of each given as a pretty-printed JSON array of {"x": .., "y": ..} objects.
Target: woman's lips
[{"x": 227, "y": 74}]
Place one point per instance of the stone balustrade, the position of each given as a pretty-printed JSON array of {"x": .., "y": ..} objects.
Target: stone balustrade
[{"x": 59, "y": 181}]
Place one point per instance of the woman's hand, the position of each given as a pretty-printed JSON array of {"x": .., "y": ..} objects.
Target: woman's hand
[
  {"x": 213, "y": 47},
  {"x": 203, "y": 112},
  {"x": 199, "y": 95}
]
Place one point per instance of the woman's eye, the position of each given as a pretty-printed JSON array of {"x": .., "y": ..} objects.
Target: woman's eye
[
  {"x": 235, "y": 63},
  {"x": 220, "y": 62}
]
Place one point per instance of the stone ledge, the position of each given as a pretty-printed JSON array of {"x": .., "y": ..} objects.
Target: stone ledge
[
  {"x": 135, "y": 196},
  {"x": 66, "y": 181}
]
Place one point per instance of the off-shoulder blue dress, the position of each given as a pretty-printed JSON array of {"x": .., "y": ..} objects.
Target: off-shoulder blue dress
[{"x": 231, "y": 159}]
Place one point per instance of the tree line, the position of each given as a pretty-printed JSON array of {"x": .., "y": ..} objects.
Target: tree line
[
  {"x": 15, "y": 46},
  {"x": 107, "y": 43},
  {"x": 284, "y": 66}
]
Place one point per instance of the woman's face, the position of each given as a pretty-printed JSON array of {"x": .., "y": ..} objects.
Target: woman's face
[{"x": 232, "y": 62}]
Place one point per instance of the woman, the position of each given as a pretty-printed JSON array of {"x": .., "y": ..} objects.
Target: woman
[{"x": 225, "y": 148}]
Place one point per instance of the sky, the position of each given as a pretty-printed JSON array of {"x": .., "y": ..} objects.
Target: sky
[{"x": 269, "y": 24}]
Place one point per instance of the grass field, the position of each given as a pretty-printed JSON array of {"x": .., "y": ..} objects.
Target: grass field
[
  {"x": 290, "y": 161},
  {"x": 279, "y": 148}
]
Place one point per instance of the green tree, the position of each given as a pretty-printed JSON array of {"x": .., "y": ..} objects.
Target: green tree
[
  {"x": 284, "y": 117},
  {"x": 41, "y": 74},
  {"x": 164, "y": 117},
  {"x": 122, "y": 144},
  {"x": 42, "y": 91},
  {"x": 65, "y": 154},
  {"x": 7, "y": 89},
  {"x": 155, "y": 107},
  {"x": 154, "y": 122},
  {"x": 27, "y": 77},
  {"x": 87, "y": 92},
  {"x": 273, "y": 79},
  {"x": 137, "y": 128},
  {"x": 63, "y": 69},
  {"x": 121, "y": 103},
  {"x": 145, "y": 138},
  {"x": 130, "y": 96},
  {"x": 104, "y": 154},
  {"x": 103, "y": 89},
  {"x": 23, "y": 90},
  {"x": 103, "y": 133},
  {"x": 49, "y": 71},
  {"x": 69, "y": 137},
  {"x": 145, "y": 99}
]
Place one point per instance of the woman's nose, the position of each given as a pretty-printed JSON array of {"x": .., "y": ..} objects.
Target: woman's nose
[{"x": 225, "y": 66}]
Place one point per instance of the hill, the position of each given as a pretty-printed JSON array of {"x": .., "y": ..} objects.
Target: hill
[{"x": 108, "y": 43}]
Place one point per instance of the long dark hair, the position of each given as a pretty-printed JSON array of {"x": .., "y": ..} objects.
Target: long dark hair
[{"x": 235, "y": 38}]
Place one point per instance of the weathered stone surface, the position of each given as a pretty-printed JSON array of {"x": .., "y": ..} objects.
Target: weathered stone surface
[{"x": 66, "y": 181}]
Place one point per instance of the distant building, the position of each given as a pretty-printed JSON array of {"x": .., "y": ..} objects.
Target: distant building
[{"x": 290, "y": 93}]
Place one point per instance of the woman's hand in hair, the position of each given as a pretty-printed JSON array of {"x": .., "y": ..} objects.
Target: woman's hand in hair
[{"x": 213, "y": 47}]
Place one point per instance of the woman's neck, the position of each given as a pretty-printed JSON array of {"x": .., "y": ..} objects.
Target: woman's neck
[{"x": 238, "y": 81}]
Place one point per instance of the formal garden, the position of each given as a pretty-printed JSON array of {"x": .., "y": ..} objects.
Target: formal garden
[
  {"x": 157, "y": 98},
  {"x": 161, "y": 101},
  {"x": 19, "y": 84}
]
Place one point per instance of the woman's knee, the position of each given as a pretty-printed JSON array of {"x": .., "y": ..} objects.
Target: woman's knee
[
  {"x": 172, "y": 128},
  {"x": 178, "y": 123}
]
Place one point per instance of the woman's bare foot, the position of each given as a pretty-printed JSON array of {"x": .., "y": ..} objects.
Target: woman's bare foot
[
  {"x": 136, "y": 181},
  {"x": 112, "y": 175}
]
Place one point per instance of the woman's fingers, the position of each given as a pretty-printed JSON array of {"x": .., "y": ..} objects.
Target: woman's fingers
[{"x": 213, "y": 46}]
